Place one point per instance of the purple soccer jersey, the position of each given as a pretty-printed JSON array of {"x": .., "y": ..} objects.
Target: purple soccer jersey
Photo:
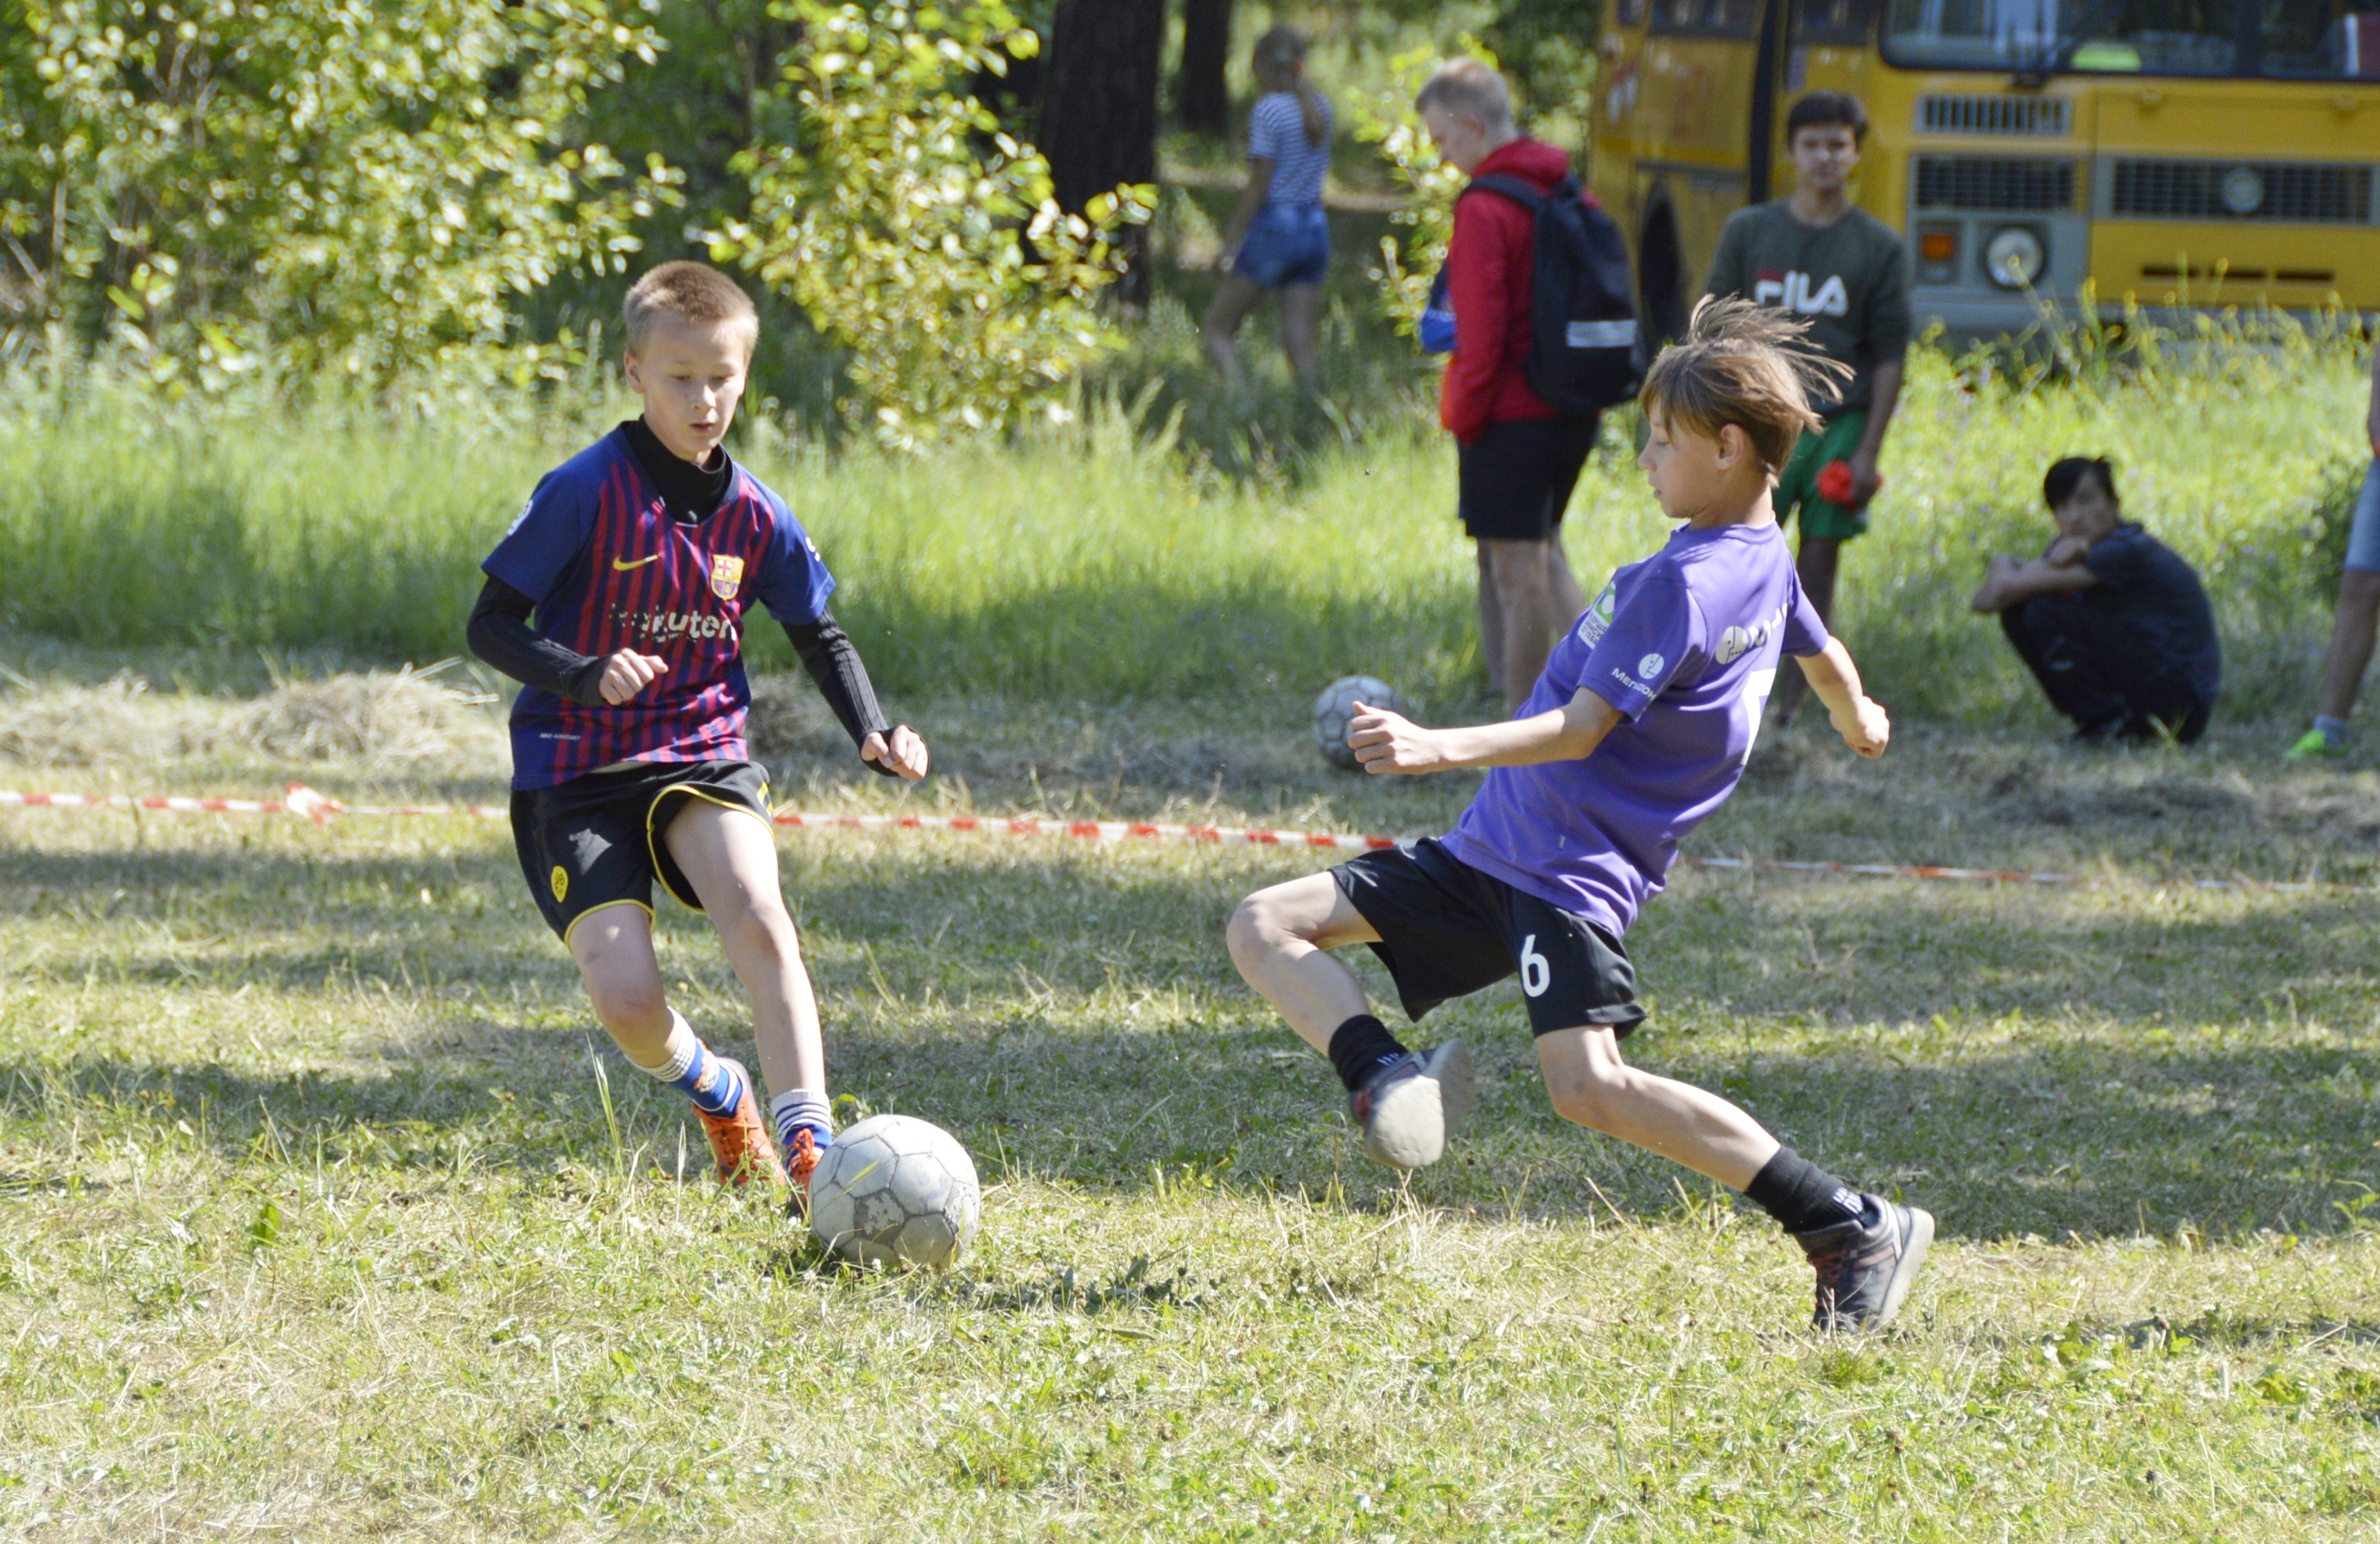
[
  {"x": 610, "y": 570},
  {"x": 1686, "y": 646}
]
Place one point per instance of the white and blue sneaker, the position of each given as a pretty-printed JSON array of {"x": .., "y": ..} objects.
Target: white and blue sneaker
[{"x": 1411, "y": 1105}]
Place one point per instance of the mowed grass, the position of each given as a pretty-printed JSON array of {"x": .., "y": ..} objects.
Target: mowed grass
[{"x": 313, "y": 1221}]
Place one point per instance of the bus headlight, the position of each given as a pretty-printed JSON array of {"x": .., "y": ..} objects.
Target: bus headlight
[
  {"x": 2243, "y": 191},
  {"x": 2014, "y": 257}
]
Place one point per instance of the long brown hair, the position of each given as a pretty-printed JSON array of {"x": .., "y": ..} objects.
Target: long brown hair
[{"x": 1277, "y": 56}]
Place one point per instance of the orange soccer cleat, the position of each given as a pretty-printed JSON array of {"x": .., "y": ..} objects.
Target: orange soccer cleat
[
  {"x": 801, "y": 1163},
  {"x": 739, "y": 1142}
]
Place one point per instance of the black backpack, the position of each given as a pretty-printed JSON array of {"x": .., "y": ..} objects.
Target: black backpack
[{"x": 1585, "y": 351}]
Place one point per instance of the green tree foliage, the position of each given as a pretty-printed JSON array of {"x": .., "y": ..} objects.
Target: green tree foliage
[
  {"x": 1547, "y": 52},
  {"x": 710, "y": 95},
  {"x": 917, "y": 233},
  {"x": 1409, "y": 262},
  {"x": 359, "y": 186}
]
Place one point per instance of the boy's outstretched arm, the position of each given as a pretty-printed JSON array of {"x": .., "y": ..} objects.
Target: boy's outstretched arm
[
  {"x": 1387, "y": 742},
  {"x": 1857, "y": 717}
]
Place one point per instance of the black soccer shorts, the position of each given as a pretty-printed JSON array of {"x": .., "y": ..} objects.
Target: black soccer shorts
[
  {"x": 1514, "y": 482},
  {"x": 1447, "y": 930},
  {"x": 596, "y": 841}
]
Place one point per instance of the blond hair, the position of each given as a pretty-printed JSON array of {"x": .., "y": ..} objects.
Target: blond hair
[
  {"x": 1468, "y": 86},
  {"x": 1278, "y": 54},
  {"x": 1742, "y": 364},
  {"x": 690, "y": 291}
]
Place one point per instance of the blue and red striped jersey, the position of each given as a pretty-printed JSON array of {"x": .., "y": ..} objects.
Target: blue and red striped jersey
[{"x": 609, "y": 570}]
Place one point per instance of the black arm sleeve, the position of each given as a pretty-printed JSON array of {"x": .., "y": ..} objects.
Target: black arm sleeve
[
  {"x": 499, "y": 633},
  {"x": 828, "y": 654}
]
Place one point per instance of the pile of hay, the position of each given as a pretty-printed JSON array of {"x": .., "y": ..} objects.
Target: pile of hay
[
  {"x": 394, "y": 719},
  {"x": 121, "y": 720},
  {"x": 378, "y": 716}
]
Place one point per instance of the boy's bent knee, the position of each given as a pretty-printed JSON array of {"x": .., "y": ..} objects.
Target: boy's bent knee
[
  {"x": 626, "y": 1001},
  {"x": 1247, "y": 935},
  {"x": 1259, "y": 927}
]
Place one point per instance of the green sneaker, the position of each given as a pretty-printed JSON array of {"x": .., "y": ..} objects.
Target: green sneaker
[{"x": 2314, "y": 747}]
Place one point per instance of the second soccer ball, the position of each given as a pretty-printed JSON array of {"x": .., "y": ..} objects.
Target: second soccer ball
[{"x": 1335, "y": 709}]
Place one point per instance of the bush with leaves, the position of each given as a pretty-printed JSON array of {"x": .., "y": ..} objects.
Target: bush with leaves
[
  {"x": 919, "y": 235},
  {"x": 1546, "y": 50},
  {"x": 357, "y": 185},
  {"x": 1409, "y": 262}
]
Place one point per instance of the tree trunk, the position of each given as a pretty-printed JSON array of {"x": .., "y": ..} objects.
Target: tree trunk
[
  {"x": 1098, "y": 109},
  {"x": 1205, "y": 52}
]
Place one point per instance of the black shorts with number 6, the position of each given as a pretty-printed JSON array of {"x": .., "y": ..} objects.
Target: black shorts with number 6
[{"x": 1448, "y": 929}]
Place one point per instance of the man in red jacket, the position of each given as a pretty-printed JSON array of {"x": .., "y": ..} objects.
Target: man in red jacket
[{"x": 1519, "y": 459}]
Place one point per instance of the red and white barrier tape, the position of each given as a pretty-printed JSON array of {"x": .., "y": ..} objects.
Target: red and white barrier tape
[
  {"x": 9, "y": 800},
  {"x": 319, "y": 808}
]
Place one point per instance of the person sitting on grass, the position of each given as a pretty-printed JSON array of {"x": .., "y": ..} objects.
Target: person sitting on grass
[
  {"x": 640, "y": 559},
  {"x": 1639, "y": 727},
  {"x": 2110, "y": 620}
]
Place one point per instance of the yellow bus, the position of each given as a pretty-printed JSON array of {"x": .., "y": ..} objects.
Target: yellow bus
[{"x": 2171, "y": 152}]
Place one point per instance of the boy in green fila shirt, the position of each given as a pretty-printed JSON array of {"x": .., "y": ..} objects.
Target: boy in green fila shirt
[{"x": 1841, "y": 269}]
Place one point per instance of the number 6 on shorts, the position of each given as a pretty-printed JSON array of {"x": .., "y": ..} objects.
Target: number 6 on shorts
[{"x": 1536, "y": 974}]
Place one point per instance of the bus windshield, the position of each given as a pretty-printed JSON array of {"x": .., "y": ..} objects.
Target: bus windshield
[
  {"x": 2324, "y": 38},
  {"x": 2050, "y": 37}
]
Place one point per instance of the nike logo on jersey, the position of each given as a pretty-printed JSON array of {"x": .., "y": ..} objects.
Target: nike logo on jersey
[
  {"x": 620, "y": 568},
  {"x": 1792, "y": 291}
]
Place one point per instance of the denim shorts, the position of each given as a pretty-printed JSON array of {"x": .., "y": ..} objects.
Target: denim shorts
[
  {"x": 1288, "y": 244},
  {"x": 2363, "y": 536}
]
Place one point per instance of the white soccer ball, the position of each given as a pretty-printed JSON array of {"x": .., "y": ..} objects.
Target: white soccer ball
[
  {"x": 1335, "y": 709},
  {"x": 896, "y": 1191}
]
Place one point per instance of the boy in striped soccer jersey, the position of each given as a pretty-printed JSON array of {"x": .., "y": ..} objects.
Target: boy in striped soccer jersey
[{"x": 618, "y": 598}]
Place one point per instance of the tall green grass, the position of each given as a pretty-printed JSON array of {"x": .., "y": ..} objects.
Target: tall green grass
[{"x": 1099, "y": 562}]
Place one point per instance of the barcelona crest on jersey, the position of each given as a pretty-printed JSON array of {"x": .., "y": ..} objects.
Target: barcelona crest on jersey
[{"x": 726, "y": 573}]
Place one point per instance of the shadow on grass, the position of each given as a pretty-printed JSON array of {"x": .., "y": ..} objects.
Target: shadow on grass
[
  {"x": 1072, "y": 1019},
  {"x": 2043, "y": 1143}
]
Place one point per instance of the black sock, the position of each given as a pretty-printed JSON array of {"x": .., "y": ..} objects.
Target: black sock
[
  {"x": 1359, "y": 1046},
  {"x": 1801, "y": 1195}
]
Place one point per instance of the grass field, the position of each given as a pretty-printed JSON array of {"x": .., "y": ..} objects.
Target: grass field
[
  {"x": 1106, "y": 563},
  {"x": 312, "y": 1222}
]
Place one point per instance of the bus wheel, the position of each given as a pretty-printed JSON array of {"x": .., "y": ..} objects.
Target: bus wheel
[{"x": 1661, "y": 276}]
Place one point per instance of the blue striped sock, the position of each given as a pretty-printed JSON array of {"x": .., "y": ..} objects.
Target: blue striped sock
[
  {"x": 797, "y": 1108},
  {"x": 712, "y": 1082},
  {"x": 714, "y": 1086}
]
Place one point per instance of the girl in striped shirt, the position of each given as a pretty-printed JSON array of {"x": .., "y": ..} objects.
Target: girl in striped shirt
[{"x": 1278, "y": 238}]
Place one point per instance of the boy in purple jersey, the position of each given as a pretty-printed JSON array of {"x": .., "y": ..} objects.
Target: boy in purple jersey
[
  {"x": 619, "y": 598},
  {"x": 1639, "y": 728}
]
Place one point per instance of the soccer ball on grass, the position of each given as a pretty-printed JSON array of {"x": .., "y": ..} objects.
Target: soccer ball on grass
[
  {"x": 895, "y": 1191},
  {"x": 1335, "y": 709}
]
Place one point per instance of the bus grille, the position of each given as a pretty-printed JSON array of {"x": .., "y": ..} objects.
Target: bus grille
[
  {"x": 1993, "y": 182},
  {"x": 2294, "y": 192},
  {"x": 2046, "y": 117}
]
